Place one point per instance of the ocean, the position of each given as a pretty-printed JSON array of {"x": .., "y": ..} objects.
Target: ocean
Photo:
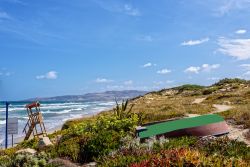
[{"x": 54, "y": 114}]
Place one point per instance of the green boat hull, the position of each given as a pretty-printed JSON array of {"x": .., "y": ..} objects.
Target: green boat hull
[{"x": 204, "y": 125}]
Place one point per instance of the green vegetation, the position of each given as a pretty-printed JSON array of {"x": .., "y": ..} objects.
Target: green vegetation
[
  {"x": 178, "y": 152},
  {"x": 109, "y": 137},
  {"x": 231, "y": 81},
  {"x": 189, "y": 87}
]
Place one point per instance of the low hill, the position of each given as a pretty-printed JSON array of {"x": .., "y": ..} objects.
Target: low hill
[
  {"x": 89, "y": 97},
  {"x": 229, "y": 98}
]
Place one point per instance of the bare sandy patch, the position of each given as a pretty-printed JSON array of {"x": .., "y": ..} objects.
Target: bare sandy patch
[
  {"x": 198, "y": 100},
  {"x": 221, "y": 108}
]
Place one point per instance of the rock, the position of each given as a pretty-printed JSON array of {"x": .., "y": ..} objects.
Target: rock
[
  {"x": 62, "y": 163},
  {"x": 91, "y": 164},
  {"x": 227, "y": 103},
  {"x": 43, "y": 142},
  {"x": 27, "y": 150},
  {"x": 223, "y": 90}
]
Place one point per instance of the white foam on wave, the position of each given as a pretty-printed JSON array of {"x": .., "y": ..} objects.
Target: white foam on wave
[
  {"x": 107, "y": 103},
  {"x": 59, "y": 104},
  {"x": 96, "y": 109},
  {"x": 57, "y": 112},
  {"x": 60, "y": 107},
  {"x": 2, "y": 122}
]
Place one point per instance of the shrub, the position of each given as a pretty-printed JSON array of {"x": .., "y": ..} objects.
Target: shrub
[
  {"x": 225, "y": 147},
  {"x": 209, "y": 90},
  {"x": 186, "y": 157},
  {"x": 26, "y": 160},
  {"x": 88, "y": 140},
  {"x": 69, "y": 148},
  {"x": 121, "y": 111},
  {"x": 189, "y": 87},
  {"x": 29, "y": 143},
  {"x": 230, "y": 80}
]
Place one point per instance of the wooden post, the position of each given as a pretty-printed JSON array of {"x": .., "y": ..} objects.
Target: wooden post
[{"x": 6, "y": 130}]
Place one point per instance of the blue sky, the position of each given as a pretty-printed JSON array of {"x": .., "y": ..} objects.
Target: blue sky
[{"x": 59, "y": 47}]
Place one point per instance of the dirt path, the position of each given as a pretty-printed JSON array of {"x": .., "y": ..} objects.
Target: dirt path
[{"x": 221, "y": 108}]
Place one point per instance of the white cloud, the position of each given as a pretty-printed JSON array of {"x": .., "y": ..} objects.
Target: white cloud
[
  {"x": 238, "y": 48},
  {"x": 241, "y": 31},
  {"x": 147, "y": 38},
  {"x": 203, "y": 67},
  {"x": 194, "y": 42},
  {"x": 4, "y": 15},
  {"x": 49, "y": 75},
  {"x": 103, "y": 80},
  {"x": 147, "y": 65},
  {"x": 164, "y": 71},
  {"x": 129, "y": 82},
  {"x": 207, "y": 67},
  {"x": 192, "y": 69}
]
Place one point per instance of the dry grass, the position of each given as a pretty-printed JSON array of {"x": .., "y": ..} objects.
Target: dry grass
[{"x": 171, "y": 103}]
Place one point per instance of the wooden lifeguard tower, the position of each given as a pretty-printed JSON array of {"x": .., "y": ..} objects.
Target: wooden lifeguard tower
[{"x": 35, "y": 118}]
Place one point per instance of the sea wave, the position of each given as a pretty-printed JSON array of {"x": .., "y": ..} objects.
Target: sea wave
[
  {"x": 56, "y": 112},
  {"x": 107, "y": 104}
]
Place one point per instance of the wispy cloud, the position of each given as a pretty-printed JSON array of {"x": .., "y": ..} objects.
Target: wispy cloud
[
  {"x": 203, "y": 67},
  {"x": 237, "y": 48},
  {"x": 118, "y": 7},
  {"x": 163, "y": 82},
  {"x": 230, "y": 5},
  {"x": 48, "y": 75},
  {"x": 130, "y": 10},
  {"x": 103, "y": 80},
  {"x": 148, "y": 65},
  {"x": 194, "y": 42},
  {"x": 14, "y": 1},
  {"x": 146, "y": 38},
  {"x": 245, "y": 66},
  {"x": 245, "y": 75},
  {"x": 213, "y": 78},
  {"x": 4, "y": 15},
  {"x": 241, "y": 31},
  {"x": 129, "y": 82},
  {"x": 164, "y": 71},
  {"x": 5, "y": 73}
]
